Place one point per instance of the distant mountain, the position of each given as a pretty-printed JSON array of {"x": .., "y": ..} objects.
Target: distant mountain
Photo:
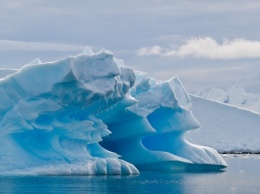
[{"x": 235, "y": 96}]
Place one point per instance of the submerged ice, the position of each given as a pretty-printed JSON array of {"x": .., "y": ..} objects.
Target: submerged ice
[{"x": 91, "y": 114}]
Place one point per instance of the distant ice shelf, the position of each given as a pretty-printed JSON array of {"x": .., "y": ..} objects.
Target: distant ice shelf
[
  {"x": 91, "y": 114},
  {"x": 227, "y": 128}
]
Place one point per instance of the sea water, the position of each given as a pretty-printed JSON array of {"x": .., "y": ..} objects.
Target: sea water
[{"x": 241, "y": 176}]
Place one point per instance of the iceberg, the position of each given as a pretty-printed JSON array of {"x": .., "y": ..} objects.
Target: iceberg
[{"x": 91, "y": 114}]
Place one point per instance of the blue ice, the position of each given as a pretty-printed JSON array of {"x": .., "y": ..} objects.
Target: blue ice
[{"x": 91, "y": 114}]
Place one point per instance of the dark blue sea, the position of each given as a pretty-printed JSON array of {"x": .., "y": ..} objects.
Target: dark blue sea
[{"x": 241, "y": 176}]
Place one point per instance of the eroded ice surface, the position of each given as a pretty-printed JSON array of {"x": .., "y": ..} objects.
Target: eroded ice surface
[{"x": 79, "y": 115}]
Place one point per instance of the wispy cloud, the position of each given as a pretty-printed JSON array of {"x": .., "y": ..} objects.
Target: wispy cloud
[
  {"x": 208, "y": 48},
  {"x": 9, "y": 45}
]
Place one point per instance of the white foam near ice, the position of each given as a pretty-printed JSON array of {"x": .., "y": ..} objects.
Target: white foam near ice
[{"x": 79, "y": 115}]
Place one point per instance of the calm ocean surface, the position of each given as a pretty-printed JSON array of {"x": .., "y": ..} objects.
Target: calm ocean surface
[{"x": 241, "y": 176}]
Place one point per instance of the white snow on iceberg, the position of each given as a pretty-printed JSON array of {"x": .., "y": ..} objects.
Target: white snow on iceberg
[{"x": 79, "y": 115}]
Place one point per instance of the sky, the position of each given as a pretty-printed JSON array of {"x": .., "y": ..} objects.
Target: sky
[{"x": 207, "y": 44}]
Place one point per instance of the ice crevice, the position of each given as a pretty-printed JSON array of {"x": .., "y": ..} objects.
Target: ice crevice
[{"x": 91, "y": 114}]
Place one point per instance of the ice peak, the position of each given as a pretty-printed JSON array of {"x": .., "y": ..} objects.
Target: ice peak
[{"x": 88, "y": 51}]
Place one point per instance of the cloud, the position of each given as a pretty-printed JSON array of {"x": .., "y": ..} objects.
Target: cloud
[
  {"x": 154, "y": 50},
  {"x": 208, "y": 48},
  {"x": 10, "y": 45}
]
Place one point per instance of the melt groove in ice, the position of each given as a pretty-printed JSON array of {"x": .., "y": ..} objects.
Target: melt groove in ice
[{"x": 79, "y": 115}]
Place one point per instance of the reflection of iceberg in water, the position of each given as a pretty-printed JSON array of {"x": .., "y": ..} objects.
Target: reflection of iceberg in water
[{"x": 54, "y": 117}]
